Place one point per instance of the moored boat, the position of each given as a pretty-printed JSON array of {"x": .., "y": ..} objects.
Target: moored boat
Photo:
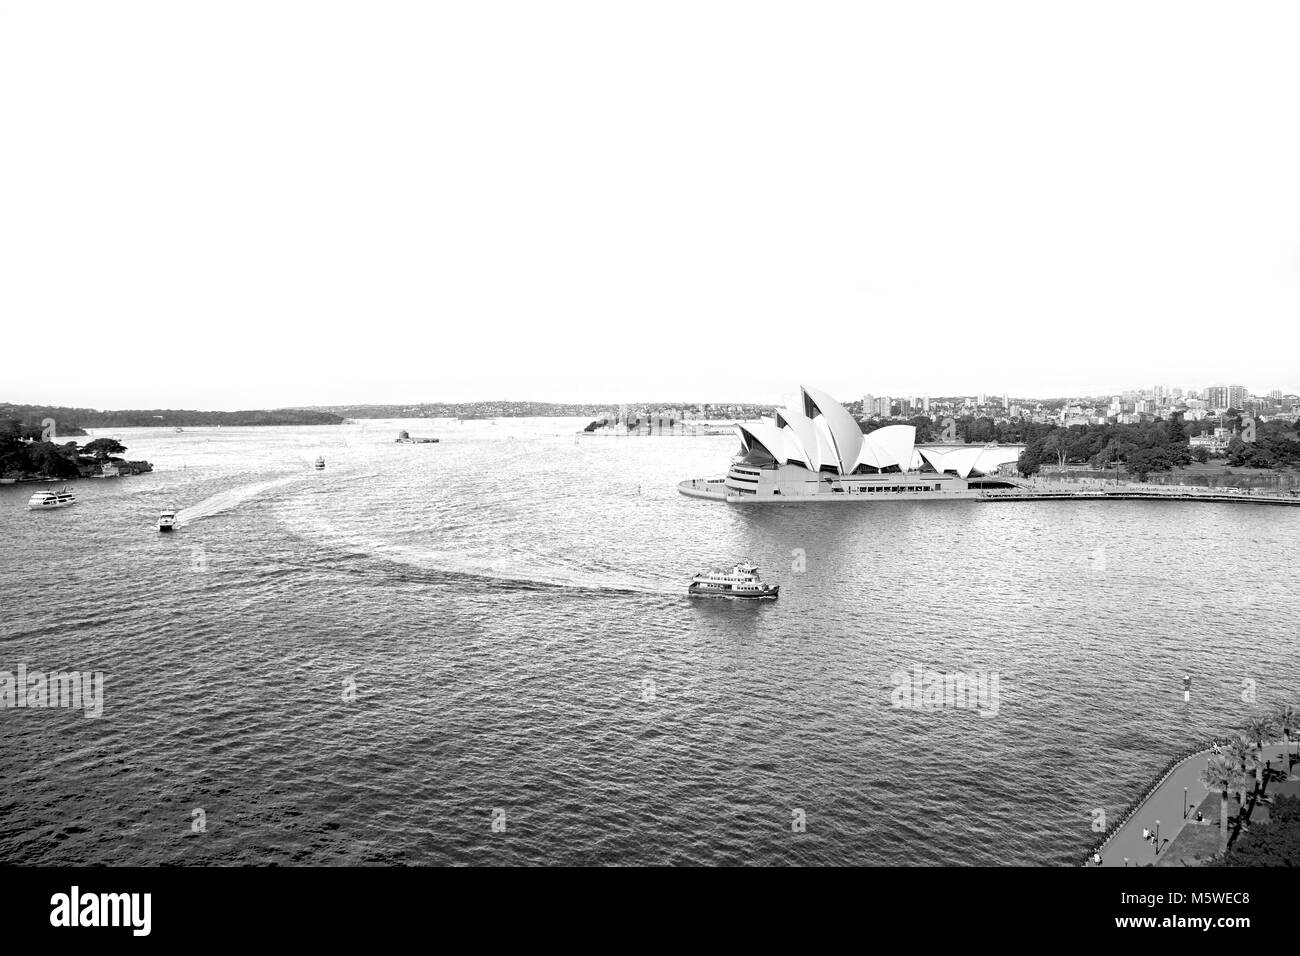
[{"x": 738, "y": 581}]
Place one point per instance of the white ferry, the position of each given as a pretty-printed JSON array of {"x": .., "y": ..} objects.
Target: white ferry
[
  {"x": 166, "y": 520},
  {"x": 819, "y": 453},
  {"x": 46, "y": 500},
  {"x": 738, "y": 581}
]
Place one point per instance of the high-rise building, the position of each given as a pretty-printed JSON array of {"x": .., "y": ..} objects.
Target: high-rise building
[
  {"x": 1221, "y": 397},
  {"x": 927, "y": 404},
  {"x": 884, "y": 406},
  {"x": 868, "y": 405}
]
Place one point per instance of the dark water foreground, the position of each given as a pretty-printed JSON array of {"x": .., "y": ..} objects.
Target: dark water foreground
[{"x": 379, "y": 662}]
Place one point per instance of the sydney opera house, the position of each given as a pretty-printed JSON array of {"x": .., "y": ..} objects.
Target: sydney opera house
[{"x": 819, "y": 452}]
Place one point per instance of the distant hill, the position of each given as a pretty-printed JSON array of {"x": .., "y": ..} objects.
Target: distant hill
[
  {"x": 491, "y": 409},
  {"x": 504, "y": 408},
  {"x": 74, "y": 421}
]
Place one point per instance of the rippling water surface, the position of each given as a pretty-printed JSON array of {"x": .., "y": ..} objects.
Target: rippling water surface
[{"x": 509, "y": 606}]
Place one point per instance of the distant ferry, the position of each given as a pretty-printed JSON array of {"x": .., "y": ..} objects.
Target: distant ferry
[
  {"x": 404, "y": 438},
  {"x": 45, "y": 500},
  {"x": 320, "y": 464},
  {"x": 738, "y": 581}
]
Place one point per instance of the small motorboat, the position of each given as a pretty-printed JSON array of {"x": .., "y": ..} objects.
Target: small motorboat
[
  {"x": 166, "y": 521},
  {"x": 320, "y": 464},
  {"x": 46, "y": 500},
  {"x": 738, "y": 581}
]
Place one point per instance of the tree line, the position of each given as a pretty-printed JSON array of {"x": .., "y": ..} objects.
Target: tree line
[
  {"x": 1141, "y": 448},
  {"x": 74, "y": 421},
  {"x": 25, "y": 454}
]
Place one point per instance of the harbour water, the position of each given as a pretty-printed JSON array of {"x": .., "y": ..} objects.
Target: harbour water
[{"x": 481, "y": 651}]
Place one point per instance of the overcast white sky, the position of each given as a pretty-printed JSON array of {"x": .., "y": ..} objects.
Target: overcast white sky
[{"x": 234, "y": 205}]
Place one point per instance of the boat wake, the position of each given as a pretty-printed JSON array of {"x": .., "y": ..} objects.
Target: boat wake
[
  {"x": 515, "y": 569},
  {"x": 226, "y": 500}
]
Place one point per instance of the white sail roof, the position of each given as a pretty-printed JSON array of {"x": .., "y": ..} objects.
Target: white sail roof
[
  {"x": 891, "y": 445},
  {"x": 964, "y": 459},
  {"x": 766, "y": 434},
  {"x": 843, "y": 433},
  {"x": 801, "y": 437},
  {"x": 960, "y": 460}
]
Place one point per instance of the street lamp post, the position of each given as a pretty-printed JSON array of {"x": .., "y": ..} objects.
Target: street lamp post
[
  {"x": 1157, "y": 838},
  {"x": 1184, "y": 803}
]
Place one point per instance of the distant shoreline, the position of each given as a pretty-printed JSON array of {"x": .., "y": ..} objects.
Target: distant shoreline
[{"x": 74, "y": 421}]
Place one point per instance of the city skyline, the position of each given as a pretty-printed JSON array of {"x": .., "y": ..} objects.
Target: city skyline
[{"x": 988, "y": 397}]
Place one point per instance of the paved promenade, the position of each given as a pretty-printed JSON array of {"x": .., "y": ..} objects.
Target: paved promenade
[
  {"x": 1166, "y": 805},
  {"x": 1097, "y": 491}
]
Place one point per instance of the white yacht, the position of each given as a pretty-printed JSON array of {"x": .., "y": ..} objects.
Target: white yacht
[
  {"x": 320, "y": 464},
  {"x": 48, "y": 499},
  {"x": 166, "y": 520},
  {"x": 738, "y": 581}
]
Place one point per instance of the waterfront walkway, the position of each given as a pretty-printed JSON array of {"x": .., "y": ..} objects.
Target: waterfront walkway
[
  {"x": 1060, "y": 491},
  {"x": 1165, "y": 804}
]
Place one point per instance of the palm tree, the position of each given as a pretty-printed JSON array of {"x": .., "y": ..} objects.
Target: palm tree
[
  {"x": 1258, "y": 730},
  {"x": 1253, "y": 770},
  {"x": 1241, "y": 783},
  {"x": 1237, "y": 752},
  {"x": 1217, "y": 775},
  {"x": 1286, "y": 720}
]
